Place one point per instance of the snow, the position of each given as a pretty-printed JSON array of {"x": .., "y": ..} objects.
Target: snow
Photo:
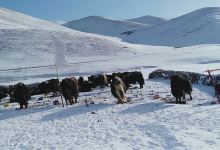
[
  {"x": 195, "y": 28},
  {"x": 198, "y": 27},
  {"x": 26, "y": 41},
  {"x": 14, "y": 20},
  {"x": 140, "y": 57},
  {"x": 60, "y": 22},
  {"x": 149, "y": 20},
  {"x": 103, "y": 26},
  {"x": 143, "y": 123}
]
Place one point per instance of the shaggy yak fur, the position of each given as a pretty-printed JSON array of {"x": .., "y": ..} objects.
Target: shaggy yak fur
[
  {"x": 3, "y": 92},
  {"x": 131, "y": 78},
  {"x": 21, "y": 95},
  {"x": 70, "y": 90},
  {"x": 118, "y": 89},
  {"x": 179, "y": 86},
  {"x": 85, "y": 86},
  {"x": 48, "y": 86},
  {"x": 98, "y": 80}
]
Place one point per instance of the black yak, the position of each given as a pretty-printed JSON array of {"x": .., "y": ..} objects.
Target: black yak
[
  {"x": 98, "y": 80},
  {"x": 109, "y": 78},
  {"x": 118, "y": 89},
  {"x": 70, "y": 90},
  {"x": 3, "y": 92},
  {"x": 21, "y": 95},
  {"x": 131, "y": 78},
  {"x": 217, "y": 90},
  {"x": 80, "y": 81},
  {"x": 85, "y": 86},
  {"x": 48, "y": 86},
  {"x": 134, "y": 77},
  {"x": 179, "y": 86}
]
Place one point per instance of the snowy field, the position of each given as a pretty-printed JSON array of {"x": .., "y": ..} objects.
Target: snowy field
[
  {"x": 144, "y": 123},
  {"x": 138, "y": 57}
]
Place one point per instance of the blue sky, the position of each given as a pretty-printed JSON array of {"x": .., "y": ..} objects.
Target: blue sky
[{"x": 117, "y": 9}]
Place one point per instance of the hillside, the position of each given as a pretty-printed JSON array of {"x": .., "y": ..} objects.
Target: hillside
[
  {"x": 14, "y": 20},
  {"x": 103, "y": 26},
  {"x": 198, "y": 27},
  {"x": 148, "y": 20},
  {"x": 26, "y": 41}
]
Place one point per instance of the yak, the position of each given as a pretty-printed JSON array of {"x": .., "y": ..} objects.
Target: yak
[
  {"x": 3, "y": 92},
  {"x": 134, "y": 77},
  {"x": 98, "y": 80},
  {"x": 131, "y": 78},
  {"x": 85, "y": 86},
  {"x": 21, "y": 95},
  {"x": 179, "y": 86},
  {"x": 118, "y": 89},
  {"x": 70, "y": 89},
  {"x": 48, "y": 86}
]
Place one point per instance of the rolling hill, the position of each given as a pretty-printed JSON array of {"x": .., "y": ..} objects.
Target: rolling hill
[
  {"x": 26, "y": 41},
  {"x": 103, "y": 26},
  {"x": 198, "y": 27},
  {"x": 148, "y": 20}
]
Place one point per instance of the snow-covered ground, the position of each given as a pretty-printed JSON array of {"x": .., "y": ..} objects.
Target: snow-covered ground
[
  {"x": 139, "y": 57},
  {"x": 144, "y": 123}
]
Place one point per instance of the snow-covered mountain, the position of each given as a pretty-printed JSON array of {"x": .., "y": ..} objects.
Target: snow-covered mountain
[
  {"x": 198, "y": 27},
  {"x": 103, "y": 26},
  {"x": 58, "y": 22},
  {"x": 26, "y": 41},
  {"x": 14, "y": 20},
  {"x": 148, "y": 20}
]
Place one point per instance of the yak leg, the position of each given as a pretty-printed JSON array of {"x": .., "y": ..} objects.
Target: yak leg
[
  {"x": 184, "y": 97},
  {"x": 26, "y": 105},
  {"x": 66, "y": 102},
  {"x": 176, "y": 100},
  {"x": 21, "y": 105},
  {"x": 72, "y": 101},
  {"x": 120, "y": 101},
  {"x": 76, "y": 100},
  {"x": 180, "y": 99},
  {"x": 46, "y": 94},
  {"x": 190, "y": 96},
  {"x": 125, "y": 100},
  {"x": 141, "y": 86}
]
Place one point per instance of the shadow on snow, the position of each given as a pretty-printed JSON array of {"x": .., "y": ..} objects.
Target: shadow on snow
[
  {"x": 147, "y": 108},
  {"x": 73, "y": 111},
  {"x": 4, "y": 115}
]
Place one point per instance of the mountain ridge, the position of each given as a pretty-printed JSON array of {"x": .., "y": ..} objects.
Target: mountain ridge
[{"x": 197, "y": 27}]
